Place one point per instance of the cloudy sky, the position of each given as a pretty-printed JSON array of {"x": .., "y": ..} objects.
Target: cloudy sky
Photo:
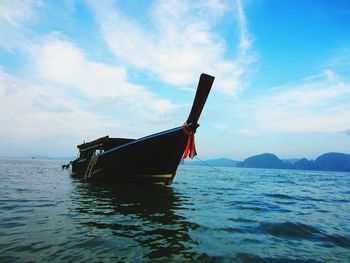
[{"x": 76, "y": 70}]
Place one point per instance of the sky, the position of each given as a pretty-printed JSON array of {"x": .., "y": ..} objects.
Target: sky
[{"x": 74, "y": 70}]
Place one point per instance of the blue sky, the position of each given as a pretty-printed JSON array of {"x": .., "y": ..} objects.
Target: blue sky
[{"x": 76, "y": 70}]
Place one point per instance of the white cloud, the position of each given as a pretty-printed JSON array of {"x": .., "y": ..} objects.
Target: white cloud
[
  {"x": 316, "y": 105},
  {"x": 245, "y": 41},
  {"x": 180, "y": 44},
  {"x": 41, "y": 108},
  {"x": 32, "y": 112},
  {"x": 34, "y": 116},
  {"x": 14, "y": 10},
  {"x": 61, "y": 63},
  {"x": 14, "y": 18},
  {"x": 60, "y": 95}
]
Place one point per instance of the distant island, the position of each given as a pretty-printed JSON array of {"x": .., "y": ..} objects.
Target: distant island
[{"x": 332, "y": 161}]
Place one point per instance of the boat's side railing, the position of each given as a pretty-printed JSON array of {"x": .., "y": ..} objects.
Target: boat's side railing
[{"x": 92, "y": 147}]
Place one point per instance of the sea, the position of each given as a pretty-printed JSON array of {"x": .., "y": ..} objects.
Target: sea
[{"x": 208, "y": 214}]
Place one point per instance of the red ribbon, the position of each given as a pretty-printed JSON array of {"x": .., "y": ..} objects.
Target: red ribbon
[{"x": 190, "y": 149}]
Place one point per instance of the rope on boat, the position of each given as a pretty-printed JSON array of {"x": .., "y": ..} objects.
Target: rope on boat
[{"x": 211, "y": 166}]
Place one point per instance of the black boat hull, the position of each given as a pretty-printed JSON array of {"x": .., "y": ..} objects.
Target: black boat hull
[{"x": 153, "y": 159}]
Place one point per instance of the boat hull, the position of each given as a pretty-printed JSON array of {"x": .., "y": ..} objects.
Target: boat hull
[{"x": 154, "y": 159}]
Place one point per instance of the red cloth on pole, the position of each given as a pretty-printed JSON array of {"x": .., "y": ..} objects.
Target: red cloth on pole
[{"x": 190, "y": 149}]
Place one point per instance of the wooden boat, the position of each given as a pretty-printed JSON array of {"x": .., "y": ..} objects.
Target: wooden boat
[{"x": 153, "y": 158}]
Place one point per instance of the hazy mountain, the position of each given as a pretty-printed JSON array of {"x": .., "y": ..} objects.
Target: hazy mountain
[
  {"x": 333, "y": 162},
  {"x": 303, "y": 164},
  {"x": 265, "y": 160},
  {"x": 325, "y": 162}
]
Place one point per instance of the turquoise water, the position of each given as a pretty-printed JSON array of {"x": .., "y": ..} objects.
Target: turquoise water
[{"x": 235, "y": 215}]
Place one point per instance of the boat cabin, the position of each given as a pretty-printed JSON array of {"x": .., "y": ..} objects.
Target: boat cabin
[{"x": 87, "y": 149}]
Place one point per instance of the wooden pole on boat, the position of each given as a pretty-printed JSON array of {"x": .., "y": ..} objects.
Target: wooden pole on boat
[{"x": 203, "y": 89}]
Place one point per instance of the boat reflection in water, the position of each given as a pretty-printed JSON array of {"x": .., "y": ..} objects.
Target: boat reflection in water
[{"x": 142, "y": 221}]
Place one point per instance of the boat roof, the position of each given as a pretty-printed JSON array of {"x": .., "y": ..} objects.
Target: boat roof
[{"x": 102, "y": 141}]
